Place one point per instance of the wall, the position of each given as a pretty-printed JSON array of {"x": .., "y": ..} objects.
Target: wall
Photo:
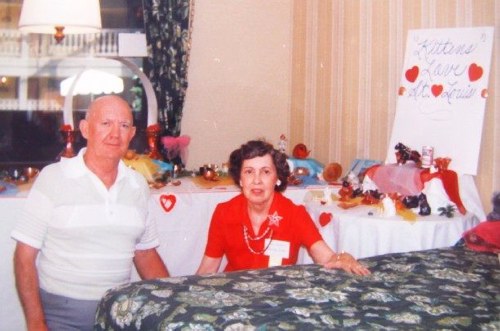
[
  {"x": 239, "y": 76},
  {"x": 346, "y": 66},
  {"x": 323, "y": 72}
]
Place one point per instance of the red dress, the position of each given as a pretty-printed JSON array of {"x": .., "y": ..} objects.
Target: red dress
[{"x": 226, "y": 234}]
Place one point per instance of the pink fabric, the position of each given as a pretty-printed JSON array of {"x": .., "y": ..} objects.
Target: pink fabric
[
  {"x": 403, "y": 179},
  {"x": 176, "y": 146}
]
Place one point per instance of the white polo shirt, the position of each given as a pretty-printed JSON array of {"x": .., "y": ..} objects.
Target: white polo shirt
[{"x": 86, "y": 233}]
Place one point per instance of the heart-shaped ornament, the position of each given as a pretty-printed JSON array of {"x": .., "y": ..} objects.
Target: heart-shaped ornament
[
  {"x": 412, "y": 74},
  {"x": 167, "y": 202},
  {"x": 475, "y": 72},
  {"x": 437, "y": 90}
]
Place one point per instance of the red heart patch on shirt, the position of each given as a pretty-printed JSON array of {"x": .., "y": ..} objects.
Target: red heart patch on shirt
[
  {"x": 167, "y": 201},
  {"x": 325, "y": 218}
]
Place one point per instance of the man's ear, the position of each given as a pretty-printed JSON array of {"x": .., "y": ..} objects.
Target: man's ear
[{"x": 84, "y": 128}]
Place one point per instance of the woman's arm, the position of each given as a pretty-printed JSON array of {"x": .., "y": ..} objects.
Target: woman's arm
[
  {"x": 322, "y": 254},
  {"x": 209, "y": 265}
]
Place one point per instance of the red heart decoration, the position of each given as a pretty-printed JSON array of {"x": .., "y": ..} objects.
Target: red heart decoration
[
  {"x": 412, "y": 74},
  {"x": 484, "y": 93},
  {"x": 437, "y": 90},
  {"x": 325, "y": 218},
  {"x": 475, "y": 72},
  {"x": 167, "y": 201}
]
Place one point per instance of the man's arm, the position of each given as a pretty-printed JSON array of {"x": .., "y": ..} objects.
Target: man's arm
[
  {"x": 27, "y": 286},
  {"x": 149, "y": 264}
]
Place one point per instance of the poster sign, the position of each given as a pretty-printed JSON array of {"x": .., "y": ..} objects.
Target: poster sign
[{"x": 442, "y": 95}]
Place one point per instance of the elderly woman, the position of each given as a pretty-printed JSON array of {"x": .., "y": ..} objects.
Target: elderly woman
[{"x": 260, "y": 227}]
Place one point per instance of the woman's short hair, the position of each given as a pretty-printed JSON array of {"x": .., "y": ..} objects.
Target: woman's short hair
[{"x": 256, "y": 148}]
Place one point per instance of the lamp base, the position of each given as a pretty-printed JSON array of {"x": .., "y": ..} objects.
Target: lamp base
[{"x": 59, "y": 35}]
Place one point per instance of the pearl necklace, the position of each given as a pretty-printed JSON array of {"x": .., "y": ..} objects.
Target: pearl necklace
[{"x": 248, "y": 238}]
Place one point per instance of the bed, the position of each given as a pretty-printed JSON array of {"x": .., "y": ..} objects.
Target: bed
[{"x": 450, "y": 289}]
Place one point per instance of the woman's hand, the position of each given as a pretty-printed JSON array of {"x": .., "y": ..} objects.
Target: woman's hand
[
  {"x": 322, "y": 254},
  {"x": 346, "y": 262}
]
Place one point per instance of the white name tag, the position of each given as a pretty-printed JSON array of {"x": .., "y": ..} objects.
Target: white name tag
[
  {"x": 277, "y": 249},
  {"x": 274, "y": 261}
]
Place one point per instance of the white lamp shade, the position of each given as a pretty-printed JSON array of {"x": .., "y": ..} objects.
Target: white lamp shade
[
  {"x": 76, "y": 16},
  {"x": 92, "y": 82}
]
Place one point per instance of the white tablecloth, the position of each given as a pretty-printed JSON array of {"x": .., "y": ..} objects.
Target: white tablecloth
[
  {"x": 183, "y": 231},
  {"x": 363, "y": 235},
  {"x": 11, "y": 314},
  {"x": 183, "y": 226}
]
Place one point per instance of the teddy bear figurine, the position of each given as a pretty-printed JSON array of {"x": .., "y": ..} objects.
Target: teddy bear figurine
[{"x": 495, "y": 213}]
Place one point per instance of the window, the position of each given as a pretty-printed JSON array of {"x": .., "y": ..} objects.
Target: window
[{"x": 32, "y": 69}]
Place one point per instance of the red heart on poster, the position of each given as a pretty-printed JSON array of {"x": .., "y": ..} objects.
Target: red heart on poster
[
  {"x": 167, "y": 202},
  {"x": 412, "y": 74},
  {"x": 437, "y": 90},
  {"x": 475, "y": 72},
  {"x": 325, "y": 218}
]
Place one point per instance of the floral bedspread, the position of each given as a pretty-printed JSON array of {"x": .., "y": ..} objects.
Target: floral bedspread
[{"x": 447, "y": 289}]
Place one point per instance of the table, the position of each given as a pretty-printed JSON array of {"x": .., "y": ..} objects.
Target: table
[
  {"x": 11, "y": 314},
  {"x": 362, "y": 232},
  {"x": 183, "y": 215},
  {"x": 183, "y": 232},
  {"x": 182, "y": 229}
]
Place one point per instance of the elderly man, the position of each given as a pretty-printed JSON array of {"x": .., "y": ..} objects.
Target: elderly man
[{"x": 84, "y": 225}]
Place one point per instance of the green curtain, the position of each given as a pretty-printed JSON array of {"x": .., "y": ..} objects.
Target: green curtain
[{"x": 167, "y": 27}]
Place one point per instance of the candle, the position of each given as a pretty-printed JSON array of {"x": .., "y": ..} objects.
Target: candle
[
  {"x": 152, "y": 105},
  {"x": 68, "y": 102},
  {"x": 68, "y": 111}
]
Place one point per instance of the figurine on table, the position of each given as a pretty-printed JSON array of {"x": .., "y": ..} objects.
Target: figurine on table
[
  {"x": 404, "y": 153},
  {"x": 345, "y": 191},
  {"x": 282, "y": 144}
]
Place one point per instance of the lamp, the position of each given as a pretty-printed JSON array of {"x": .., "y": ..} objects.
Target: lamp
[
  {"x": 60, "y": 17},
  {"x": 92, "y": 82},
  {"x": 130, "y": 45}
]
